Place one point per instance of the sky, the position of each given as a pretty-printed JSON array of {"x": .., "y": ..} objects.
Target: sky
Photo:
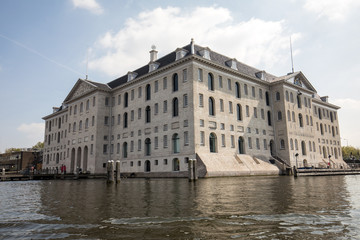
[{"x": 46, "y": 46}]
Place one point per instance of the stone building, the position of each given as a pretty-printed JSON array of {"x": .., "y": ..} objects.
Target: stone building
[{"x": 194, "y": 103}]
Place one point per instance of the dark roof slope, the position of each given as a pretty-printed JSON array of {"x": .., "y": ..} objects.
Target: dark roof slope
[{"x": 214, "y": 56}]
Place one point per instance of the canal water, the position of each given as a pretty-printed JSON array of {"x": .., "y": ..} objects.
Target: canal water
[{"x": 276, "y": 207}]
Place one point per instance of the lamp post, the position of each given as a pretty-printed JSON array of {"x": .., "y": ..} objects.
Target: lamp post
[{"x": 296, "y": 157}]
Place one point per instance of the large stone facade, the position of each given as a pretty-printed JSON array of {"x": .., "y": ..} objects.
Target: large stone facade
[{"x": 194, "y": 104}]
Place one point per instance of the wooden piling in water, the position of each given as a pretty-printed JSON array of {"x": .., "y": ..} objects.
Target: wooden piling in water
[
  {"x": 192, "y": 170},
  {"x": 117, "y": 171},
  {"x": 110, "y": 171}
]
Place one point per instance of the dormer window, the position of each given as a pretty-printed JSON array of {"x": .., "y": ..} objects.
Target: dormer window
[
  {"x": 131, "y": 76},
  {"x": 205, "y": 53},
  {"x": 153, "y": 66},
  {"x": 231, "y": 63},
  {"x": 180, "y": 53}
]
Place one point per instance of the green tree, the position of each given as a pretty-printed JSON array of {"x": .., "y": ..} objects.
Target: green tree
[
  {"x": 9, "y": 150},
  {"x": 350, "y": 151},
  {"x": 39, "y": 145}
]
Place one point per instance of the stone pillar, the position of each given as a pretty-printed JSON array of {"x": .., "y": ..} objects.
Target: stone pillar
[
  {"x": 195, "y": 169},
  {"x": 117, "y": 171},
  {"x": 110, "y": 171},
  {"x": 190, "y": 170}
]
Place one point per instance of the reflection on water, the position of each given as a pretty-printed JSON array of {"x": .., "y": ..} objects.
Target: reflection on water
[{"x": 218, "y": 208}]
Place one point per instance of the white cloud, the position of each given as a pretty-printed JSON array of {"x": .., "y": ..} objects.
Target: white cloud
[
  {"x": 255, "y": 42},
  {"x": 334, "y": 10},
  {"x": 34, "y": 132},
  {"x": 349, "y": 116},
  {"x": 90, "y": 5}
]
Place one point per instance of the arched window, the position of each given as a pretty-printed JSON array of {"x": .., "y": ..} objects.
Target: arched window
[
  {"x": 303, "y": 148},
  {"x": 279, "y": 115},
  {"x": 210, "y": 82},
  {"x": 291, "y": 144},
  {"x": 239, "y": 112},
  {"x": 126, "y": 99},
  {"x": 87, "y": 123},
  {"x": 301, "y": 123},
  {"x": 176, "y": 164},
  {"x": 175, "y": 104},
  {"x": 267, "y": 98},
  {"x": 237, "y": 90},
  {"x": 277, "y": 96},
  {"x": 148, "y": 92},
  {"x": 211, "y": 106},
  {"x": 288, "y": 115},
  {"x": 80, "y": 125},
  {"x": 74, "y": 127},
  {"x": 269, "y": 118},
  {"x": 147, "y": 114},
  {"x": 175, "y": 82},
  {"x": 212, "y": 142},
  {"x": 287, "y": 96},
  {"x": 282, "y": 144},
  {"x": 299, "y": 100},
  {"x": 147, "y": 147},
  {"x": 125, "y": 120},
  {"x": 291, "y": 97},
  {"x": 241, "y": 145},
  {"x": 125, "y": 149},
  {"x": 176, "y": 143}
]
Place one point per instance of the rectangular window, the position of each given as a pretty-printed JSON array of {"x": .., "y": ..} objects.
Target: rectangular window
[
  {"x": 106, "y": 102},
  {"x": 201, "y": 100},
  {"x": 165, "y": 106},
  {"x": 185, "y": 75},
  {"x": 262, "y": 114},
  {"x": 165, "y": 141},
  {"x": 91, "y": 149},
  {"x": 202, "y": 138},
  {"x": 112, "y": 120},
  {"x": 223, "y": 140},
  {"x": 139, "y": 92},
  {"x": 118, "y": 119},
  {"x": 132, "y": 115},
  {"x": 186, "y": 138},
  {"x": 119, "y": 99},
  {"x": 165, "y": 128},
  {"x": 112, "y": 148},
  {"x": 131, "y": 146},
  {"x": 246, "y": 89},
  {"x": 253, "y": 92},
  {"x": 185, "y": 100},
  {"x": 156, "y": 108},
  {"x": 200, "y": 75},
  {"x": 156, "y": 86},
  {"x": 229, "y": 84},
  {"x": 255, "y": 112},
  {"x": 260, "y": 93},
  {"x": 201, "y": 122},
  {"x": 232, "y": 138},
  {"x": 156, "y": 142},
  {"x": 247, "y": 111},
  {"x": 221, "y": 105},
  {"x": 106, "y": 120},
  {"x": 249, "y": 142},
  {"x": 222, "y": 126},
  {"x": 186, "y": 123},
  {"x": 139, "y": 113},
  {"x": 164, "y": 83},
  {"x": 220, "y": 82},
  {"x": 265, "y": 144},
  {"x": 257, "y": 143},
  {"x": 132, "y": 94},
  {"x": 105, "y": 148},
  {"x": 139, "y": 145},
  {"x": 230, "y": 107}
]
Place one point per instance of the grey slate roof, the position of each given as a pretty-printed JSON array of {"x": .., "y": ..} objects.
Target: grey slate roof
[{"x": 214, "y": 56}]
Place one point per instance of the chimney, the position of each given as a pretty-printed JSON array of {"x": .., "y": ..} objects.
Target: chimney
[
  {"x": 192, "y": 44},
  {"x": 153, "y": 54}
]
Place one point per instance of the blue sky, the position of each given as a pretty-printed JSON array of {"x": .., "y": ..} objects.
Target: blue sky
[{"x": 44, "y": 47}]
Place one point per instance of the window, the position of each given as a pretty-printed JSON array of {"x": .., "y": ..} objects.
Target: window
[
  {"x": 106, "y": 101},
  {"x": 320, "y": 115},
  {"x": 247, "y": 111},
  {"x": 165, "y": 106},
  {"x": 253, "y": 92},
  {"x": 185, "y": 100},
  {"x": 230, "y": 107},
  {"x": 139, "y": 94},
  {"x": 265, "y": 144},
  {"x": 176, "y": 164},
  {"x": 106, "y": 120},
  {"x": 87, "y": 123},
  {"x": 269, "y": 118},
  {"x": 125, "y": 150},
  {"x": 148, "y": 92},
  {"x": 212, "y": 142},
  {"x": 93, "y": 121},
  {"x": 147, "y": 114},
  {"x": 165, "y": 142},
  {"x": 220, "y": 82},
  {"x": 223, "y": 140},
  {"x": 126, "y": 99},
  {"x": 210, "y": 82},
  {"x": 287, "y": 96},
  {"x": 296, "y": 144},
  {"x": 211, "y": 106},
  {"x": 105, "y": 149},
  {"x": 293, "y": 116},
  {"x": 260, "y": 93},
  {"x": 301, "y": 124},
  {"x": 176, "y": 143},
  {"x": 202, "y": 138},
  {"x": 125, "y": 120},
  {"x": 303, "y": 148},
  {"x": 239, "y": 112},
  {"x": 288, "y": 115},
  {"x": 249, "y": 143},
  {"x": 282, "y": 144},
  {"x": 221, "y": 105},
  {"x": 262, "y": 113},
  {"x": 229, "y": 84},
  {"x": 175, "y": 107},
  {"x": 279, "y": 115},
  {"x": 277, "y": 96},
  {"x": 132, "y": 115},
  {"x": 255, "y": 112},
  {"x": 147, "y": 147},
  {"x": 156, "y": 108},
  {"x": 132, "y": 94},
  {"x": 246, "y": 89},
  {"x": 291, "y": 97},
  {"x": 200, "y": 75},
  {"x": 94, "y": 101},
  {"x": 185, "y": 75},
  {"x": 156, "y": 86},
  {"x": 75, "y": 109},
  {"x": 267, "y": 99},
  {"x": 201, "y": 100},
  {"x": 257, "y": 143},
  {"x": 87, "y": 104},
  {"x": 164, "y": 83},
  {"x": 291, "y": 144},
  {"x": 186, "y": 138},
  {"x": 139, "y": 113},
  {"x": 237, "y": 90},
  {"x": 299, "y": 101}
]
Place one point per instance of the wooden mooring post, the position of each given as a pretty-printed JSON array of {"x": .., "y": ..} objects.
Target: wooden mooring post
[
  {"x": 117, "y": 171},
  {"x": 110, "y": 171},
  {"x": 192, "y": 170},
  {"x": 3, "y": 178}
]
